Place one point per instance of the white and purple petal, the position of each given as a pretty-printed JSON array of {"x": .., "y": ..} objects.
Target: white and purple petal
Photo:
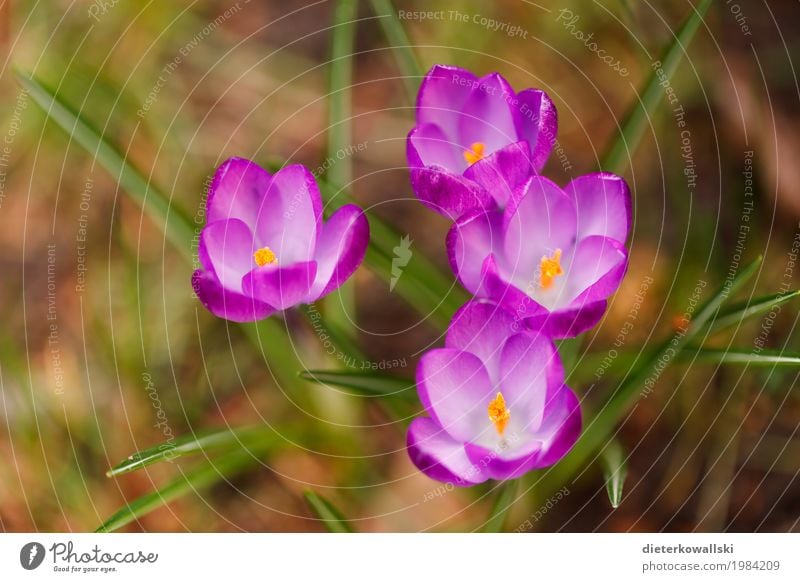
[{"x": 340, "y": 249}]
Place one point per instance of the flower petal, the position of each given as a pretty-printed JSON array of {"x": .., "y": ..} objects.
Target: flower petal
[
  {"x": 225, "y": 303},
  {"x": 596, "y": 269},
  {"x": 482, "y": 328},
  {"x": 538, "y": 124},
  {"x": 504, "y": 172},
  {"x": 439, "y": 456},
  {"x": 290, "y": 215},
  {"x": 340, "y": 250},
  {"x": 568, "y": 322},
  {"x": 427, "y": 145},
  {"x": 488, "y": 116},
  {"x": 540, "y": 221},
  {"x": 455, "y": 389},
  {"x": 496, "y": 288},
  {"x": 237, "y": 191},
  {"x": 442, "y": 94},
  {"x": 449, "y": 194},
  {"x": 603, "y": 204},
  {"x": 226, "y": 249},
  {"x": 282, "y": 287},
  {"x": 561, "y": 428},
  {"x": 470, "y": 241}
]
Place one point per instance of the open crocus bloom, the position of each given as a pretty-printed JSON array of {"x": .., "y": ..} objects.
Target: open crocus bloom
[
  {"x": 476, "y": 139},
  {"x": 553, "y": 256},
  {"x": 265, "y": 247},
  {"x": 496, "y": 399}
]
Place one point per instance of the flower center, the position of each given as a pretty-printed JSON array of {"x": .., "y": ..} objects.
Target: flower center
[
  {"x": 498, "y": 413},
  {"x": 264, "y": 256},
  {"x": 549, "y": 269},
  {"x": 474, "y": 153}
]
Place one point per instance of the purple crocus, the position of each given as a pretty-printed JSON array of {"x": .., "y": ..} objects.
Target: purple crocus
[
  {"x": 552, "y": 256},
  {"x": 476, "y": 139},
  {"x": 265, "y": 247},
  {"x": 496, "y": 401}
]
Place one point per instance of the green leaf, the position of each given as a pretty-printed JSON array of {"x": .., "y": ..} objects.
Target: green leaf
[
  {"x": 175, "y": 224},
  {"x": 734, "y": 315},
  {"x": 599, "y": 428},
  {"x": 637, "y": 118},
  {"x": 504, "y": 499},
  {"x": 365, "y": 384},
  {"x": 193, "y": 481},
  {"x": 192, "y": 445},
  {"x": 740, "y": 357},
  {"x": 342, "y": 303},
  {"x": 332, "y": 518},
  {"x": 401, "y": 46},
  {"x": 615, "y": 470}
]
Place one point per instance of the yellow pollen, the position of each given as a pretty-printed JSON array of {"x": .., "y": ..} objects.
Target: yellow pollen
[
  {"x": 474, "y": 153},
  {"x": 264, "y": 256},
  {"x": 498, "y": 413},
  {"x": 549, "y": 269}
]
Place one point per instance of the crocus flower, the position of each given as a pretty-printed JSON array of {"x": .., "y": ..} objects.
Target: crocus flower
[
  {"x": 476, "y": 139},
  {"x": 552, "y": 256},
  {"x": 496, "y": 401},
  {"x": 265, "y": 246}
]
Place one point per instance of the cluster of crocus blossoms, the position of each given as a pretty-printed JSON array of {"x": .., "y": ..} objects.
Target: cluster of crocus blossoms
[{"x": 540, "y": 260}]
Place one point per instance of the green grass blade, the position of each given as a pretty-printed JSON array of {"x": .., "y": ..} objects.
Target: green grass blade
[
  {"x": 364, "y": 384},
  {"x": 615, "y": 469},
  {"x": 332, "y": 518},
  {"x": 175, "y": 224},
  {"x": 600, "y": 427},
  {"x": 506, "y": 495},
  {"x": 636, "y": 120},
  {"x": 192, "y": 445},
  {"x": 340, "y": 304},
  {"x": 402, "y": 49},
  {"x": 734, "y": 315},
  {"x": 738, "y": 356},
  {"x": 193, "y": 481}
]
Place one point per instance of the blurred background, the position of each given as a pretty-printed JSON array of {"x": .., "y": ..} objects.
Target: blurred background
[{"x": 104, "y": 351}]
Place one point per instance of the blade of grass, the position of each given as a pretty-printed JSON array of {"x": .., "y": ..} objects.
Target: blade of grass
[
  {"x": 627, "y": 393},
  {"x": 364, "y": 384},
  {"x": 636, "y": 120},
  {"x": 176, "y": 226},
  {"x": 735, "y": 314},
  {"x": 402, "y": 49},
  {"x": 331, "y": 517},
  {"x": 174, "y": 222},
  {"x": 192, "y": 445},
  {"x": 340, "y": 136},
  {"x": 193, "y": 481},
  {"x": 506, "y": 495},
  {"x": 739, "y": 356},
  {"x": 615, "y": 469}
]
